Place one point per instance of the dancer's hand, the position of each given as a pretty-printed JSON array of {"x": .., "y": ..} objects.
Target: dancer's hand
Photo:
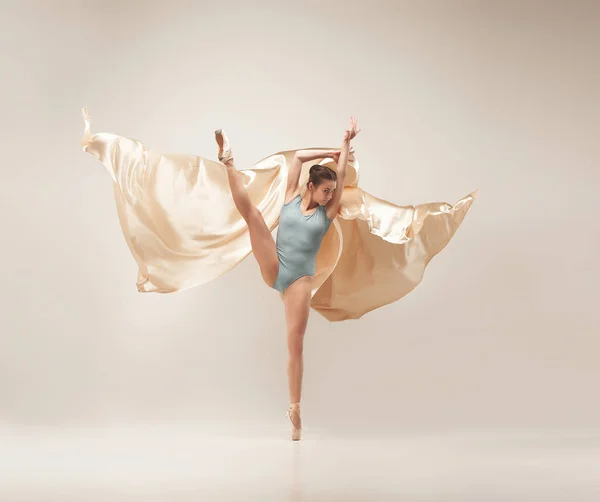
[
  {"x": 336, "y": 154},
  {"x": 352, "y": 131}
]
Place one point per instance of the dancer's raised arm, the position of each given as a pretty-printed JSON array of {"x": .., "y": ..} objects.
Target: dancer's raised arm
[
  {"x": 342, "y": 162},
  {"x": 301, "y": 156}
]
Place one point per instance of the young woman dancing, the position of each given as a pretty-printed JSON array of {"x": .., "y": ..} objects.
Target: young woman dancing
[
  {"x": 288, "y": 264},
  {"x": 159, "y": 196}
]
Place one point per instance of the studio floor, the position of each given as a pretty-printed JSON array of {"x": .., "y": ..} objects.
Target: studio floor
[{"x": 181, "y": 463}]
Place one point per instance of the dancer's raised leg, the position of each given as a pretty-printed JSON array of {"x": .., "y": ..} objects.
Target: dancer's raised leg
[{"x": 261, "y": 240}]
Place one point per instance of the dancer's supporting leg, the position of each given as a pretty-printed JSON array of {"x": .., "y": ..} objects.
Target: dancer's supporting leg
[{"x": 297, "y": 308}]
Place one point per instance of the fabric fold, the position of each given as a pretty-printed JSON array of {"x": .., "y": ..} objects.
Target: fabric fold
[{"x": 183, "y": 229}]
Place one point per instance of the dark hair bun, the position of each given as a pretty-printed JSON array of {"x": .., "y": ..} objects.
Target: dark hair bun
[{"x": 319, "y": 173}]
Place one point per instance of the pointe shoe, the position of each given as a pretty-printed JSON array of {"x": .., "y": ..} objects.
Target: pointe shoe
[
  {"x": 296, "y": 431},
  {"x": 225, "y": 155}
]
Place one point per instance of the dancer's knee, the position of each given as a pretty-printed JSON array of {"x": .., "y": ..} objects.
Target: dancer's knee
[
  {"x": 295, "y": 353},
  {"x": 295, "y": 343}
]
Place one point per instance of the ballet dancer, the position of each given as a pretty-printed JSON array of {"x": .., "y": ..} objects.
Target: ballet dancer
[{"x": 288, "y": 264}]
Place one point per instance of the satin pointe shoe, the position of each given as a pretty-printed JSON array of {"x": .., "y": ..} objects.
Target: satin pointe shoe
[
  {"x": 293, "y": 414},
  {"x": 225, "y": 155}
]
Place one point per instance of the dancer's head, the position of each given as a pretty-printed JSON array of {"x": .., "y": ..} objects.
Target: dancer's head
[{"x": 322, "y": 182}]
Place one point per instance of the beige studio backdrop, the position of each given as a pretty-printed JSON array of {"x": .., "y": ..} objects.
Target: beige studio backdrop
[{"x": 451, "y": 96}]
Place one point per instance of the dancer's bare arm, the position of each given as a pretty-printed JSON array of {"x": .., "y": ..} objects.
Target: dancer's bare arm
[
  {"x": 300, "y": 157},
  {"x": 334, "y": 204}
]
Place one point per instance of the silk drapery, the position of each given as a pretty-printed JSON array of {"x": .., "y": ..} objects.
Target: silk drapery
[{"x": 183, "y": 229}]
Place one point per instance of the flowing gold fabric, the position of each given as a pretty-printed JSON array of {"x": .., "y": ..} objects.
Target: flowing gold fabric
[{"x": 183, "y": 229}]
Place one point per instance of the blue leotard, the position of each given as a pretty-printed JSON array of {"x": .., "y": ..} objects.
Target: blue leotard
[{"x": 299, "y": 238}]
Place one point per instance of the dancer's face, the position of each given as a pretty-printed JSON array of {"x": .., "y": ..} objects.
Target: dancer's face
[{"x": 323, "y": 193}]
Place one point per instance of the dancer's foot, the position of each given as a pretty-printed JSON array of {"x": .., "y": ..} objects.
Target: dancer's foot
[
  {"x": 293, "y": 414},
  {"x": 225, "y": 155}
]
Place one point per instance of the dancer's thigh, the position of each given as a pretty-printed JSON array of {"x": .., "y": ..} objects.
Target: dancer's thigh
[{"x": 263, "y": 246}]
